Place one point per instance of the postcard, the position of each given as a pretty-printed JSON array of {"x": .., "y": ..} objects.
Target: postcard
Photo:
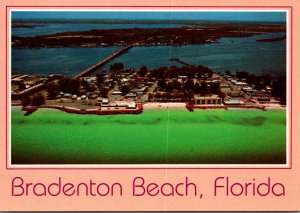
[{"x": 147, "y": 106}]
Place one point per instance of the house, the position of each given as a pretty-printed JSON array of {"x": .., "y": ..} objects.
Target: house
[
  {"x": 83, "y": 97},
  {"x": 117, "y": 93},
  {"x": 104, "y": 102},
  {"x": 17, "y": 81},
  {"x": 67, "y": 95},
  {"x": 249, "y": 90},
  {"x": 239, "y": 83},
  {"x": 131, "y": 95}
]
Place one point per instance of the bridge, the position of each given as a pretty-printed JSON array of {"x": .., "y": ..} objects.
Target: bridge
[{"x": 103, "y": 61}]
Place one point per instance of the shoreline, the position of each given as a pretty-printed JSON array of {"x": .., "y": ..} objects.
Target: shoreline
[
  {"x": 141, "y": 108},
  {"x": 144, "y": 36}
]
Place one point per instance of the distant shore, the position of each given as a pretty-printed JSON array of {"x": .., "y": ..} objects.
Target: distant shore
[
  {"x": 211, "y": 33},
  {"x": 272, "y": 39}
]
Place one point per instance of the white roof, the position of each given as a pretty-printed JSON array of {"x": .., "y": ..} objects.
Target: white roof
[
  {"x": 117, "y": 92},
  {"x": 131, "y": 105},
  {"x": 233, "y": 101}
]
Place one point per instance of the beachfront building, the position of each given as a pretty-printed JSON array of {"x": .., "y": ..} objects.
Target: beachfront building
[
  {"x": 207, "y": 100},
  {"x": 104, "y": 102},
  {"x": 131, "y": 105},
  {"x": 234, "y": 102}
]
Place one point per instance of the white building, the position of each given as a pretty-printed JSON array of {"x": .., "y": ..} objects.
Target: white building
[{"x": 204, "y": 100}]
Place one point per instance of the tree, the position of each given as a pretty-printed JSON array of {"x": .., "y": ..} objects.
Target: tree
[
  {"x": 222, "y": 95},
  {"x": 113, "y": 77},
  {"x": 197, "y": 88},
  {"x": 52, "y": 89},
  {"x": 68, "y": 85},
  {"x": 241, "y": 75},
  {"x": 227, "y": 72},
  {"x": 104, "y": 92},
  {"x": 279, "y": 89},
  {"x": 215, "y": 88},
  {"x": 143, "y": 70},
  {"x": 22, "y": 86},
  {"x": 112, "y": 85},
  {"x": 162, "y": 84},
  {"x": 173, "y": 85},
  {"x": 252, "y": 79},
  {"x": 158, "y": 73},
  {"x": 38, "y": 100},
  {"x": 189, "y": 85},
  {"x": 86, "y": 85},
  {"x": 100, "y": 78},
  {"x": 26, "y": 101},
  {"x": 116, "y": 66},
  {"x": 125, "y": 89},
  {"x": 203, "y": 88}
]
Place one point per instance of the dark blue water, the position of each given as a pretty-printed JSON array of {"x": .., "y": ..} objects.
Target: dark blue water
[
  {"x": 68, "y": 61},
  {"x": 233, "y": 54},
  {"x": 46, "y": 29}
]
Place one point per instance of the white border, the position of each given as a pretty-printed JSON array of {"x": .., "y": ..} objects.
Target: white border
[{"x": 160, "y": 166}]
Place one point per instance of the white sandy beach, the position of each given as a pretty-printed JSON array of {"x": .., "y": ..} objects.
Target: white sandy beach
[
  {"x": 164, "y": 106},
  {"x": 177, "y": 105}
]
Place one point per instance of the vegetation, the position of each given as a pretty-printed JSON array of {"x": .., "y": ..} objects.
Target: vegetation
[
  {"x": 181, "y": 83},
  {"x": 38, "y": 100},
  {"x": 25, "y": 101},
  {"x": 52, "y": 89},
  {"x": 100, "y": 78},
  {"x": 35, "y": 100},
  {"x": 154, "y": 36},
  {"x": 116, "y": 66},
  {"x": 87, "y": 87},
  {"x": 143, "y": 71},
  {"x": 279, "y": 89},
  {"x": 199, "y": 72},
  {"x": 261, "y": 82},
  {"x": 125, "y": 89},
  {"x": 69, "y": 85}
]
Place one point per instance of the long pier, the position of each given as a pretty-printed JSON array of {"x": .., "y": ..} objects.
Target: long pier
[
  {"x": 180, "y": 61},
  {"x": 103, "y": 61}
]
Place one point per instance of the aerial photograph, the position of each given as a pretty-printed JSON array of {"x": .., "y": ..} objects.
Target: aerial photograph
[{"x": 148, "y": 87}]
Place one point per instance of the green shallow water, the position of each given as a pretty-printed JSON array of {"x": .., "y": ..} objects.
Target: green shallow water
[{"x": 153, "y": 137}]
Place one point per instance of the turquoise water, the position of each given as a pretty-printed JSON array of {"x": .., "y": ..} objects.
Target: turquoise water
[
  {"x": 153, "y": 137},
  {"x": 234, "y": 54}
]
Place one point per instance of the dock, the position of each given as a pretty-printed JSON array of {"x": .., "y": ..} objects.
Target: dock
[
  {"x": 180, "y": 61},
  {"x": 103, "y": 61}
]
